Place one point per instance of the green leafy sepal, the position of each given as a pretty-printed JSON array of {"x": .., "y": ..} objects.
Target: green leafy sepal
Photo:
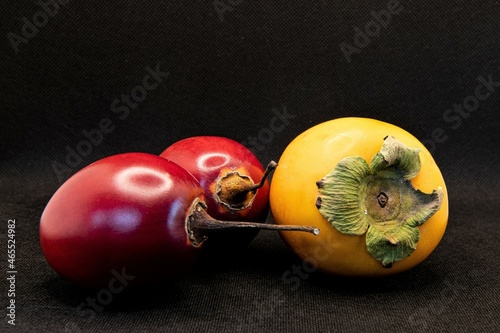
[{"x": 379, "y": 200}]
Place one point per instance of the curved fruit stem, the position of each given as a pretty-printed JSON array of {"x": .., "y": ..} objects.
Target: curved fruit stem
[
  {"x": 199, "y": 224},
  {"x": 236, "y": 191},
  {"x": 270, "y": 168}
]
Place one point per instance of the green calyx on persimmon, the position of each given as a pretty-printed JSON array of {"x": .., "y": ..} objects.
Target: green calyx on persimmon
[{"x": 378, "y": 200}]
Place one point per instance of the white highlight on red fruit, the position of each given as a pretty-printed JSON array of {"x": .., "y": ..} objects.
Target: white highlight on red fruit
[
  {"x": 133, "y": 180},
  {"x": 203, "y": 161}
]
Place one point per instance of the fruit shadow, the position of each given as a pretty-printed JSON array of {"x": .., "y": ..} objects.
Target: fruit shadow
[
  {"x": 420, "y": 278},
  {"x": 130, "y": 299},
  {"x": 269, "y": 258},
  {"x": 266, "y": 260}
]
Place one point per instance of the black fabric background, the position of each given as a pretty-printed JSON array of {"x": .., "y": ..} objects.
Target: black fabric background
[{"x": 225, "y": 78}]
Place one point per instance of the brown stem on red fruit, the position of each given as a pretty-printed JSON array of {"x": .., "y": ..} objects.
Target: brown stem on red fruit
[
  {"x": 270, "y": 168},
  {"x": 236, "y": 191},
  {"x": 199, "y": 224}
]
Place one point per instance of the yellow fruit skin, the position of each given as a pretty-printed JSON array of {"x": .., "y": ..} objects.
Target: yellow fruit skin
[{"x": 312, "y": 155}]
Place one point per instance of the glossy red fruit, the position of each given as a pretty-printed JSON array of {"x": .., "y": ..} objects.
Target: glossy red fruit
[
  {"x": 122, "y": 213},
  {"x": 229, "y": 174},
  {"x": 135, "y": 217}
]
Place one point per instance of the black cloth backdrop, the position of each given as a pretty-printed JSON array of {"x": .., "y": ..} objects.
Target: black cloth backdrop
[{"x": 227, "y": 68}]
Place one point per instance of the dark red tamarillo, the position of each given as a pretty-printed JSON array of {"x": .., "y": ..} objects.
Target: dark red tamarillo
[
  {"x": 135, "y": 213},
  {"x": 233, "y": 180}
]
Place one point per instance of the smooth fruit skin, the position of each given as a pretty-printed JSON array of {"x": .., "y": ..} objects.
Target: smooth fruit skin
[
  {"x": 124, "y": 213},
  {"x": 209, "y": 157},
  {"x": 206, "y": 157},
  {"x": 312, "y": 155}
]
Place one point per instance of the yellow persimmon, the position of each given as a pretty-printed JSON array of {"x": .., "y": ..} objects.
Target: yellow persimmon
[{"x": 373, "y": 190}]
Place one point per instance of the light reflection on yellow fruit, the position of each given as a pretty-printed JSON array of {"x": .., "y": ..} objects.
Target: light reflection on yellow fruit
[{"x": 312, "y": 155}]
